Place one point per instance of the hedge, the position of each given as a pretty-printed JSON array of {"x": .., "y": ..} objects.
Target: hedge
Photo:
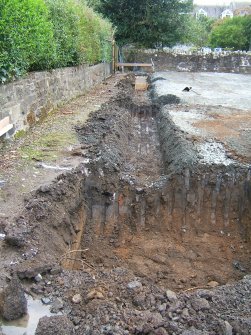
[{"x": 46, "y": 34}]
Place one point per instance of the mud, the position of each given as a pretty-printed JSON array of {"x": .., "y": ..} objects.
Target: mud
[{"x": 141, "y": 214}]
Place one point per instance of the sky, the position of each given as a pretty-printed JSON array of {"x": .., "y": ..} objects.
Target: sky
[{"x": 218, "y": 2}]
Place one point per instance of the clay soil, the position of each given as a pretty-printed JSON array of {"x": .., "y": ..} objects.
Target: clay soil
[{"x": 85, "y": 202}]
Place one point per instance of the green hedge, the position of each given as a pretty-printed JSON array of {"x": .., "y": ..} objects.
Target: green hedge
[
  {"x": 46, "y": 34},
  {"x": 26, "y": 37}
]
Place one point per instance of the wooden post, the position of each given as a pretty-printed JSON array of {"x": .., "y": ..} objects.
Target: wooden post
[{"x": 113, "y": 56}]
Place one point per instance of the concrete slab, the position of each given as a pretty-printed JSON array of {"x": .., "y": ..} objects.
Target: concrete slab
[{"x": 225, "y": 89}]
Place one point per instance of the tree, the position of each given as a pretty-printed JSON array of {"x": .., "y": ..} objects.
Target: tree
[
  {"x": 232, "y": 33},
  {"x": 198, "y": 31},
  {"x": 148, "y": 23},
  {"x": 93, "y": 3}
]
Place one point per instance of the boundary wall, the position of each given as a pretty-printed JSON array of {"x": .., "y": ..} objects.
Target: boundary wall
[{"x": 28, "y": 100}]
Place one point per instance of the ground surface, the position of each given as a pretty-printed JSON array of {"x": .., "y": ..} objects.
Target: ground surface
[{"x": 120, "y": 284}]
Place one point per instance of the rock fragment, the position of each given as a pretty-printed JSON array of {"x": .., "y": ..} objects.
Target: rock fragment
[
  {"x": 76, "y": 299},
  {"x": 14, "y": 303},
  {"x": 226, "y": 328},
  {"x": 171, "y": 296},
  {"x": 200, "y": 304},
  {"x": 55, "y": 325},
  {"x": 134, "y": 285}
]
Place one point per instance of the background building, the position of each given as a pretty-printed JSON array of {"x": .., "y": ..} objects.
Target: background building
[{"x": 223, "y": 11}]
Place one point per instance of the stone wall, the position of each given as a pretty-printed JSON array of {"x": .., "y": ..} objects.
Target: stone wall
[
  {"x": 28, "y": 100},
  {"x": 234, "y": 62}
]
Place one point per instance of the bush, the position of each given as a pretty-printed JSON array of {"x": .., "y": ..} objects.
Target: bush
[
  {"x": 65, "y": 20},
  {"x": 26, "y": 37},
  {"x": 45, "y": 34},
  {"x": 82, "y": 36},
  {"x": 96, "y": 35},
  {"x": 232, "y": 33}
]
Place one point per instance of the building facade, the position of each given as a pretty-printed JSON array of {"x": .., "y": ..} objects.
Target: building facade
[{"x": 225, "y": 11}]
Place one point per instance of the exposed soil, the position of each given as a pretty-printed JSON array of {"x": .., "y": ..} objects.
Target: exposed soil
[{"x": 139, "y": 214}]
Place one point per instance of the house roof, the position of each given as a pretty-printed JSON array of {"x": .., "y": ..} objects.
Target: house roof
[
  {"x": 212, "y": 11},
  {"x": 216, "y": 11}
]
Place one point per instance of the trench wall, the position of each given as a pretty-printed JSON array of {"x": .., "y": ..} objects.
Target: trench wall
[
  {"x": 187, "y": 199},
  {"x": 99, "y": 200},
  {"x": 28, "y": 100},
  {"x": 194, "y": 62},
  {"x": 184, "y": 204}
]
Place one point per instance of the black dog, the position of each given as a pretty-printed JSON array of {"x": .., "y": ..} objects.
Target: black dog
[{"x": 187, "y": 89}]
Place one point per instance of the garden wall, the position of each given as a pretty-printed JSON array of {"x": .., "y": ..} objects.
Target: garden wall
[
  {"x": 235, "y": 62},
  {"x": 28, "y": 100}
]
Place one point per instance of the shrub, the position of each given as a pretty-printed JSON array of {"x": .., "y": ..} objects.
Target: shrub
[
  {"x": 81, "y": 35},
  {"x": 45, "y": 34},
  {"x": 232, "y": 33},
  {"x": 65, "y": 21},
  {"x": 26, "y": 37}
]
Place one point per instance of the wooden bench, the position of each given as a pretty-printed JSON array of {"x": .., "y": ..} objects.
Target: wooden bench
[
  {"x": 5, "y": 125},
  {"x": 122, "y": 65}
]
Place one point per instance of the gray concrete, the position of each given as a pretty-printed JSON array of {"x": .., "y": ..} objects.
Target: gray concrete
[{"x": 225, "y": 89}]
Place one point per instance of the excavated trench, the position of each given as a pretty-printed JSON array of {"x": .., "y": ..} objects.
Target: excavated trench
[
  {"x": 142, "y": 200},
  {"x": 148, "y": 204},
  {"x": 142, "y": 214}
]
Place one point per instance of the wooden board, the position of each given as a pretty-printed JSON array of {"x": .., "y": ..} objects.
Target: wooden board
[
  {"x": 141, "y": 83},
  {"x": 134, "y": 64},
  {"x": 5, "y": 125},
  {"x": 146, "y": 65}
]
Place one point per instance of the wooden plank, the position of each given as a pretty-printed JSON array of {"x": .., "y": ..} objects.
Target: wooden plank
[
  {"x": 134, "y": 64},
  {"x": 4, "y": 122},
  {"x": 141, "y": 84},
  {"x": 5, "y": 125}
]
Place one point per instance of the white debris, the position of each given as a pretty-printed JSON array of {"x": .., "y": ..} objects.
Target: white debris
[
  {"x": 2, "y": 237},
  {"x": 213, "y": 153},
  {"x": 53, "y": 167}
]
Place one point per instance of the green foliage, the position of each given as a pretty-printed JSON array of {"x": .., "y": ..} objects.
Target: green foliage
[
  {"x": 19, "y": 134},
  {"x": 45, "y": 34},
  {"x": 81, "y": 35},
  {"x": 148, "y": 23},
  {"x": 90, "y": 42},
  {"x": 46, "y": 147},
  {"x": 64, "y": 17},
  {"x": 232, "y": 33},
  {"x": 26, "y": 37},
  {"x": 93, "y": 3},
  {"x": 198, "y": 31}
]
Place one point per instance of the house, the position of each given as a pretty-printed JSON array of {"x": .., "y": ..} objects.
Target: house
[
  {"x": 227, "y": 13},
  {"x": 221, "y": 12}
]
